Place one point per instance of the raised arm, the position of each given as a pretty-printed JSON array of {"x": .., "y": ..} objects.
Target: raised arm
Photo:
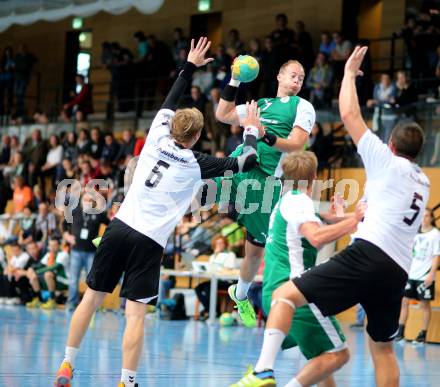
[
  {"x": 196, "y": 58},
  {"x": 348, "y": 100},
  {"x": 226, "y": 111}
]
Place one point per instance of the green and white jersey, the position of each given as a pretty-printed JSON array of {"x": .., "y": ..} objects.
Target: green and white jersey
[
  {"x": 288, "y": 254},
  {"x": 280, "y": 116}
]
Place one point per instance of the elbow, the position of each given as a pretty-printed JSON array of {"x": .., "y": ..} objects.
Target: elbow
[
  {"x": 219, "y": 116},
  {"x": 316, "y": 242}
]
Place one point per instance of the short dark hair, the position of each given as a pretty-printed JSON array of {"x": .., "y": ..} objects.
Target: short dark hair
[
  {"x": 281, "y": 16},
  {"x": 408, "y": 139}
]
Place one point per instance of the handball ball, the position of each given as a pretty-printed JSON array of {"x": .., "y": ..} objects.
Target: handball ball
[
  {"x": 245, "y": 68},
  {"x": 227, "y": 319}
]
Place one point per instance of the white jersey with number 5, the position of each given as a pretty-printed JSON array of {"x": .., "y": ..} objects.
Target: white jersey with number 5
[{"x": 397, "y": 191}]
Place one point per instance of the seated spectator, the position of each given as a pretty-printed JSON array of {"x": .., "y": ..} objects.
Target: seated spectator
[
  {"x": 96, "y": 143},
  {"x": 46, "y": 223},
  {"x": 83, "y": 142},
  {"x": 234, "y": 41},
  {"x": 53, "y": 157},
  {"x": 5, "y": 153},
  {"x": 218, "y": 130},
  {"x": 222, "y": 258},
  {"x": 27, "y": 227},
  {"x": 40, "y": 117},
  {"x": 52, "y": 274},
  {"x": 82, "y": 105},
  {"x": 15, "y": 285},
  {"x": 180, "y": 42},
  {"x": 86, "y": 172},
  {"x": 204, "y": 79},
  {"x": 140, "y": 142},
  {"x": 234, "y": 139},
  {"x": 16, "y": 167},
  {"x": 127, "y": 147},
  {"x": 110, "y": 149},
  {"x": 406, "y": 95},
  {"x": 319, "y": 82},
  {"x": 321, "y": 145},
  {"x": 340, "y": 54},
  {"x": 66, "y": 171},
  {"x": 383, "y": 119},
  {"x": 70, "y": 147},
  {"x": 22, "y": 194},
  {"x": 327, "y": 44}
]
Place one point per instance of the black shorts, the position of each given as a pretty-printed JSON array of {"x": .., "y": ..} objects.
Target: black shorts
[
  {"x": 416, "y": 290},
  {"x": 360, "y": 274},
  {"x": 124, "y": 250}
]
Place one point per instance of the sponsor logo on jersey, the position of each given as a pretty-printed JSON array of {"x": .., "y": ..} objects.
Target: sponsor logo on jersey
[{"x": 172, "y": 156}]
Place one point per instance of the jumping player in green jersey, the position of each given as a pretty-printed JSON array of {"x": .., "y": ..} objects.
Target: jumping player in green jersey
[
  {"x": 295, "y": 234},
  {"x": 288, "y": 121}
]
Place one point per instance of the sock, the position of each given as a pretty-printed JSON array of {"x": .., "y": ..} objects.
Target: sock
[
  {"x": 401, "y": 330},
  {"x": 294, "y": 383},
  {"x": 242, "y": 289},
  {"x": 128, "y": 377},
  {"x": 273, "y": 339},
  {"x": 70, "y": 355}
]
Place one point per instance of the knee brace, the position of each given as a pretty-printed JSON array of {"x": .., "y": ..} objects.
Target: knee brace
[{"x": 283, "y": 300}]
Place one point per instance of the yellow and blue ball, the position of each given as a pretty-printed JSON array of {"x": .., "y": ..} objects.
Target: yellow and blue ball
[
  {"x": 245, "y": 68},
  {"x": 227, "y": 320}
]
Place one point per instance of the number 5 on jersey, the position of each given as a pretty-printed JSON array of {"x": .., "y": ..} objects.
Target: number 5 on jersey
[{"x": 156, "y": 174}]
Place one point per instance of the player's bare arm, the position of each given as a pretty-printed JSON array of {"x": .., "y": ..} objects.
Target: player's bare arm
[
  {"x": 319, "y": 235},
  {"x": 348, "y": 100}
]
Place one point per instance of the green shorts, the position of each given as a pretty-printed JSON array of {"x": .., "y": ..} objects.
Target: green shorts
[
  {"x": 61, "y": 281},
  {"x": 313, "y": 333},
  {"x": 254, "y": 195}
]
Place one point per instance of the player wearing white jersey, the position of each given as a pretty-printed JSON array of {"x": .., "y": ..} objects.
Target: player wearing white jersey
[
  {"x": 167, "y": 178},
  {"x": 421, "y": 282},
  {"x": 373, "y": 270}
]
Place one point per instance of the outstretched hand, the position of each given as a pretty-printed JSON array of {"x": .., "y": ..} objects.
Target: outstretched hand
[
  {"x": 353, "y": 64},
  {"x": 253, "y": 117},
  {"x": 197, "y": 54}
]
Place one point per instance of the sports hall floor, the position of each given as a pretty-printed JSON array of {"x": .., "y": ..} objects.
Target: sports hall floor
[{"x": 176, "y": 353}]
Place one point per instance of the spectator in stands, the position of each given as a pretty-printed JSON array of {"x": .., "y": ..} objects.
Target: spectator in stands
[
  {"x": 340, "y": 54},
  {"x": 106, "y": 55},
  {"x": 384, "y": 118},
  {"x": 270, "y": 65},
  {"x": 142, "y": 47},
  {"x": 305, "y": 43},
  {"x": 46, "y": 224},
  {"x": 83, "y": 142},
  {"x": 122, "y": 77},
  {"x": 27, "y": 227},
  {"x": 96, "y": 143},
  {"x": 320, "y": 144},
  {"x": 127, "y": 147},
  {"x": 24, "y": 62},
  {"x": 52, "y": 274},
  {"x": 34, "y": 151},
  {"x": 218, "y": 129},
  {"x": 5, "y": 153},
  {"x": 7, "y": 77},
  {"x": 327, "y": 44},
  {"x": 70, "y": 148},
  {"x": 40, "y": 117},
  {"x": 67, "y": 170},
  {"x": 53, "y": 158},
  {"x": 319, "y": 82},
  {"x": 421, "y": 282},
  {"x": 222, "y": 258},
  {"x": 16, "y": 167},
  {"x": 253, "y": 88},
  {"x": 14, "y": 146},
  {"x": 222, "y": 64},
  {"x": 82, "y": 105},
  {"x": 406, "y": 94},
  {"x": 234, "y": 139},
  {"x": 233, "y": 41},
  {"x": 15, "y": 283},
  {"x": 22, "y": 194},
  {"x": 233, "y": 232},
  {"x": 140, "y": 142},
  {"x": 79, "y": 234},
  {"x": 110, "y": 150},
  {"x": 204, "y": 79},
  {"x": 86, "y": 172},
  {"x": 180, "y": 43},
  {"x": 282, "y": 35}
]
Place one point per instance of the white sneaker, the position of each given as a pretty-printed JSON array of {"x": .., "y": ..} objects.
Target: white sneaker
[{"x": 13, "y": 301}]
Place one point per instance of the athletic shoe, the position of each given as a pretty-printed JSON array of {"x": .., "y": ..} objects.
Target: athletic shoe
[
  {"x": 49, "y": 304},
  {"x": 122, "y": 384},
  {"x": 13, "y": 301},
  {"x": 64, "y": 375},
  {"x": 35, "y": 303},
  {"x": 421, "y": 338},
  {"x": 245, "y": 309},
  {"x": 256, "y": 379}
]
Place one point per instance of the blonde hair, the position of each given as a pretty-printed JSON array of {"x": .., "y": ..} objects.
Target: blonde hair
[
  {"x": 300, "y": 166},
  {"x": 288, "y": 63},
  {"x": 186, "y": 124}
]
